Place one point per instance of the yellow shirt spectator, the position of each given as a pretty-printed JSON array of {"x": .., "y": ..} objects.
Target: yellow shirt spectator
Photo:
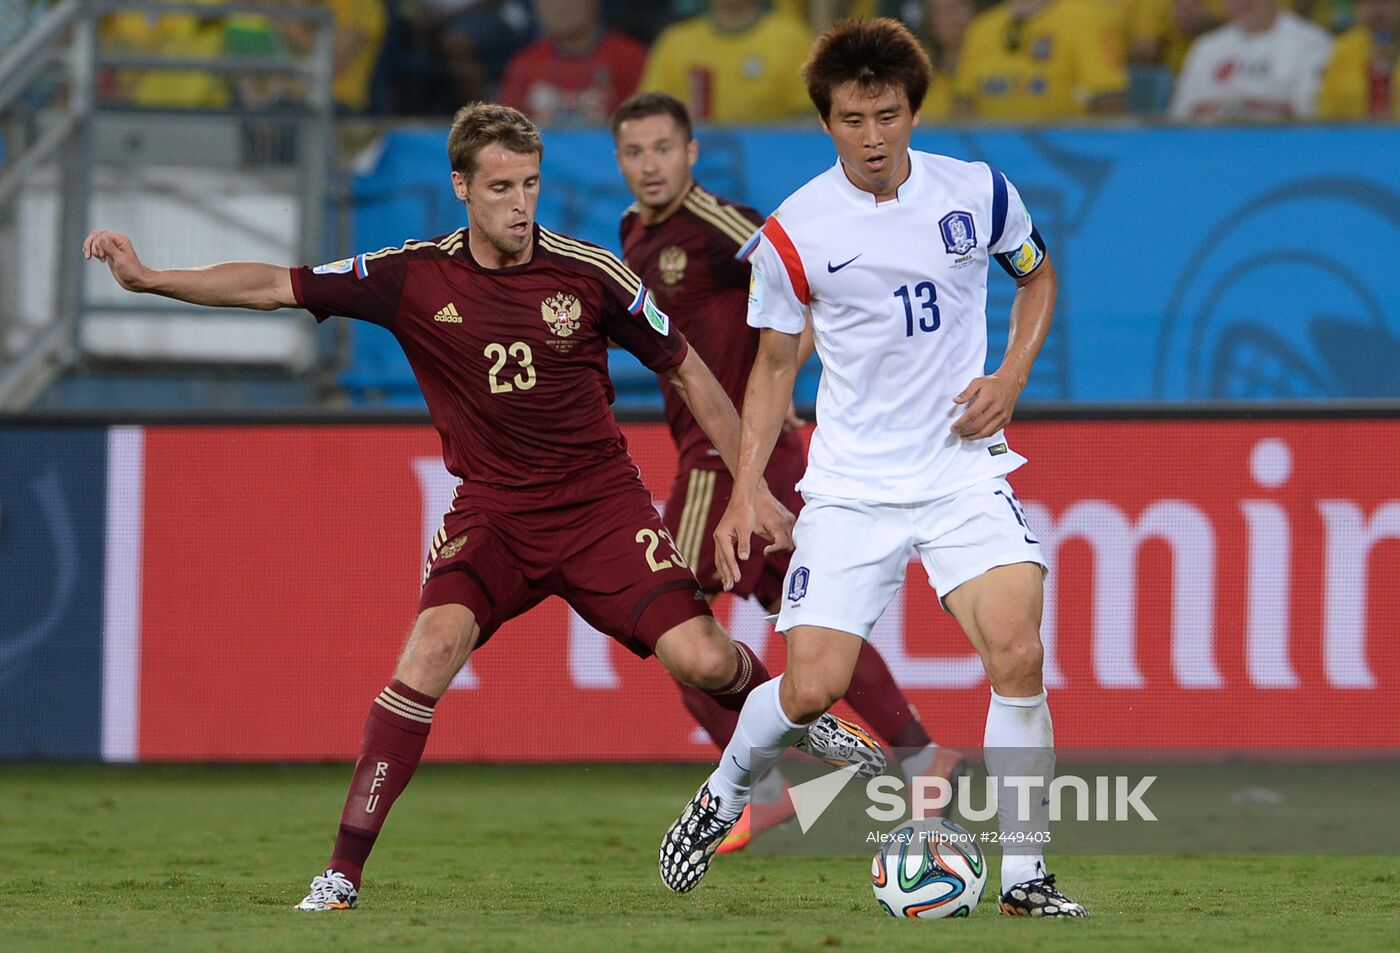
[
  {"x": 1117, "y": 20},
  {"x": 939, "y": 103},
  {"x": 175, "y": 35},
  {"x": 1347, "y": 86},
  {"x": 359, "y": 36},
  {"x": 1060, "y": 62},
  {"x": 749, "y": 75},
  {"x": 804, "y": 11}
]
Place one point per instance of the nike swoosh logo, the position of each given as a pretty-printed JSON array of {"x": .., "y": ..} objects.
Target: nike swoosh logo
[
  {"x": 833, "y": 269},
  {"x": 738, "y": 765}
]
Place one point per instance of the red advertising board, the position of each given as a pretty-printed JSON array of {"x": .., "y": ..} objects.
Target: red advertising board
[{"x": 1214, "y": 583}]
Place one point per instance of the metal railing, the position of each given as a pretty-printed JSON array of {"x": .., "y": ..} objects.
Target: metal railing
[{"x": 54, "y": 115}]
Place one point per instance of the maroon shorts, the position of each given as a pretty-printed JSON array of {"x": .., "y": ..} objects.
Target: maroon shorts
[
  {"x": 693, "y": 510},
  {"x": 604, "y": 551}
]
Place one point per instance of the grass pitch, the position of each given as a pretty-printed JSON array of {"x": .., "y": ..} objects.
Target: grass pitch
[{"x": 563, "y": 859}]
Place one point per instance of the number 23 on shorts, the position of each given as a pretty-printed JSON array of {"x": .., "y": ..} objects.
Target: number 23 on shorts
[{"x": 651, "y": 539}]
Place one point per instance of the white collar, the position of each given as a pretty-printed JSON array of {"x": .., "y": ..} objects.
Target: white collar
[{"x": 907, "y": 190}]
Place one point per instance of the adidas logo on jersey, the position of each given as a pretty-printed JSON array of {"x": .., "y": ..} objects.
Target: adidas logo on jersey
[{"x": 448, "y": 315}]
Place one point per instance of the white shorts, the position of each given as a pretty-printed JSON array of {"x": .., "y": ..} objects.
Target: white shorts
[{"x": 851, "y": 557}]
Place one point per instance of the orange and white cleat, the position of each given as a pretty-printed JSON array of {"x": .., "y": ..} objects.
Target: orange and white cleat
[
  {"x": 842, "y": 743},
  {"x": 739, "y": 837},
  {"x": 330, "y": 891}
]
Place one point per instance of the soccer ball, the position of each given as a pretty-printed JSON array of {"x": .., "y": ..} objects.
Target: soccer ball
[{"x": 927, "y": 870}]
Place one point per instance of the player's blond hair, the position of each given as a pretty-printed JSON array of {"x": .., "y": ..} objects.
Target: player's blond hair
[{"x": 478, "y": 125}]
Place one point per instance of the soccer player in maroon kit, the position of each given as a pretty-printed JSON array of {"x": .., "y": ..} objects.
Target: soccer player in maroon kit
[
  {"x": 684, "y": 242},
  {"x": 506, "y": 326}
]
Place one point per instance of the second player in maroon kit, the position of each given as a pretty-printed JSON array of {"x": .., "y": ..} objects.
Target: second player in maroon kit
[
  {"x": 506, "y": 326},
  {"x": 686, "y": 244},
  {"x": 689, "y": 261}
]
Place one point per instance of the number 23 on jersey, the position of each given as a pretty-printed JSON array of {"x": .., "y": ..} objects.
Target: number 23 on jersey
[{"x": 500, "y": 355}]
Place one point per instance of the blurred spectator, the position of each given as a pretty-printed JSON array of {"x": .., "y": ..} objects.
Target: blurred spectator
[
  {"x": 1362, "y": 81},
  {"x": 644, "y": 21},
  {"x": 1161, "y": 31},
  {"x": 1035, "y": 60},
  {"x": 942, "y": 26},
  {"x": 820, "y": 14},
  {"x": 472, "y": 40},
  {"x": 1265, "y": 64},
  {"x": 1335, "y": 16},
  {"x": 578, "y": 72},
  {"x": 1117, "y": 18},
  {"x": 359, "y": 38},
  {"x": 739, "y": 63},
  {"x": 173, "y": 35},
  {"x": 251, "y": 35}
]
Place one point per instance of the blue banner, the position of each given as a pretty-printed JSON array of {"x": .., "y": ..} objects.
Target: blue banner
[
  {"x": 52, "y": 533},
  {"x": 1195, "y": 264}
]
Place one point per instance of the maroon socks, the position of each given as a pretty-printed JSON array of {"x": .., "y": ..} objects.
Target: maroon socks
[{"x": 395, "y": 734}]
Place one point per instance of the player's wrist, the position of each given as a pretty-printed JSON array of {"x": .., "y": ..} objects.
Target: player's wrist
[
  {"x": 146, "y": 280},
  {"x": 1016, "y": 376},
  {"x": 745, "y": 493}
]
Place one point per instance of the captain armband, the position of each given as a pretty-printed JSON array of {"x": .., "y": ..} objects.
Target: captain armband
[{"x": 1026, "y": 259}]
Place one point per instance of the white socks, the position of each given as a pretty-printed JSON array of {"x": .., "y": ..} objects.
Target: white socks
[
  {"x": 1020, "y": 741},
  {"x": 762, "y": 735},
  {"x": 917, "y": 765}
]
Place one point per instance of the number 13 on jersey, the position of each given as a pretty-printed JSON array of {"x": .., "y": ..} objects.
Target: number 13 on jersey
[{"x": 927, "y": 297}]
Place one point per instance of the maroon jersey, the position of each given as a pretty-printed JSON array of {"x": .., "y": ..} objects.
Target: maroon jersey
[
  {"x": 512, "y": 361},
  {"x": 689, "y": 263}
]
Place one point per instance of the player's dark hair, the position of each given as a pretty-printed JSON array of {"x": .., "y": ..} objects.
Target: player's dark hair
[
  {"x": 877, "y": 53},
  {"x": 478, "y": 125},
  {"x": 642, "y": 105}
]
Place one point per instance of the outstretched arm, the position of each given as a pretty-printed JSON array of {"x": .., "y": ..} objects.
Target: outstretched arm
[
  {"x": 713, "y": 410},
  {"x": 765, "y": 404},
  {"x": 234, "y": 284},
  {"x": 991, "y": 400},
  {"x": 715, "y": 413}
]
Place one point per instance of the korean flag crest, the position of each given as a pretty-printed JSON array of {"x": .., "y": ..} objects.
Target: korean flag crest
[{"x": 959, "y": 234}]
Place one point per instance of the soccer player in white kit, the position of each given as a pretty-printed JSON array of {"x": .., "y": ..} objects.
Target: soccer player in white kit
[{"x": 888, "y": 252}]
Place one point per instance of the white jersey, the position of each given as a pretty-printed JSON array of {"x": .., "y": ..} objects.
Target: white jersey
[
  {"x": 898, "y": 294},
  {"x": 1273, "y": 74}
]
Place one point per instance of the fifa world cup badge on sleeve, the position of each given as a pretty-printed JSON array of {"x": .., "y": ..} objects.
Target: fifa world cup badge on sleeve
[
  {"x": 755, "y": 288},
  {"x": 335, "y": 267},
  {"x": 657, "y": 318},
  {"x": 1026, "y": 259}
]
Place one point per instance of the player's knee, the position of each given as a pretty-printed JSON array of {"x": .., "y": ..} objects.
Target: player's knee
[
  {"x": 710, "y": 664},
  {"x": 1017, "y": 658},
  {"x": 805, "y": 700},
  {"x": 438, "y": 644}
]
